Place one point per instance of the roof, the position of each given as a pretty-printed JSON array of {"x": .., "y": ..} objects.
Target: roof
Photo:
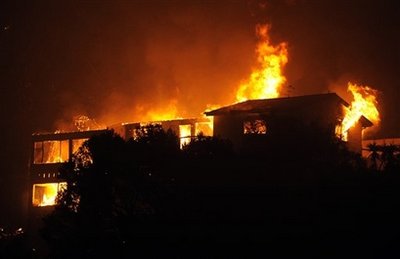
[
  {"x": 66, "y": 135},
  {"x": 264, "y": 105},
  {"x": 283, "y": 104}
]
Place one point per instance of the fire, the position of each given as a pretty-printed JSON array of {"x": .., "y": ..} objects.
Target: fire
[
  {"x": 168, "y": 112},
  {"x": 54, "y": 153},
  {"x": 267, "y": 79},
  {"x": 45, "y": 194},
  {"x": 185, "y": 133},
  {"x": 48, "y": 201},
  {"x": 364, "y": 104},
  {"x": 205, "y": 127},
  {"x": 84, "y": 123}
]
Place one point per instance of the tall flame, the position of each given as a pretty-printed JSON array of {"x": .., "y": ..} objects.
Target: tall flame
[
  {"x": 267, "y": 79},
  {"x": 364, "y": 104}
]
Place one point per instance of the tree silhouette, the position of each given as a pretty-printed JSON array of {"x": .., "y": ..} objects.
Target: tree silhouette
[
  {"x": 111, "y": 183},
  {"x": 145, "y": 197},
  {"x": 374, "y": 156},
  {"x": 389, "y": 157},
  {"x": 205, "y": 147}
]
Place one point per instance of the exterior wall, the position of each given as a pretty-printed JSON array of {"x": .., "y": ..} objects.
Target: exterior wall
[
  {"x": 230, "y": 127},
  {"x": 354, "y": 138},
  {"x": 281, "y": 123}
]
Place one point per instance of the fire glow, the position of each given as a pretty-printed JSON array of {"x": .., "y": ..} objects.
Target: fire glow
[
  {"x": 265, "y": 82},
  {"x": 185, "y": 134},
  {"x": 267, "y": 79},
  {"x": 168, "y": 112},
  {"x": 364, "y": 104},
  {"x": 45, "y": 194}
]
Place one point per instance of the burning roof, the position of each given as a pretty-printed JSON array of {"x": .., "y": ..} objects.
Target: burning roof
[{"x": 285, "y": 104}]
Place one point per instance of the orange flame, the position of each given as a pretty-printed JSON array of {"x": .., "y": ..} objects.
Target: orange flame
[
  {"x": 168, "y": 112},
  {"x": 265, "y": 81},
  {"x": 56, "y": 151},
  {"x": 185, "y": 134},
  {"x": 45, "y": 194},
  {"x": 364, "y": 104}
]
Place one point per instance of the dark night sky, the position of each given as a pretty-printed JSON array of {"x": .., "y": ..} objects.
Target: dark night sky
[{"x": 108, "y": 59}]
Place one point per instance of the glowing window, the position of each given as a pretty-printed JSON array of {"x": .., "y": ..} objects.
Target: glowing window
[
  {"x": 254, "y": 127},
  {"x": 54, "y": 151},
  {"x": 185, "y": 134},
  {"x": 44, "y": 194}
]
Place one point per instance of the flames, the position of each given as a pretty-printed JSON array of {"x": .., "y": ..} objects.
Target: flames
[
  {"x": 364, "y": 104},
  {"x": 267, "y": 79},
  {"x": 170, "y": 112},
  {"x": 45, "y": 194},
  {"x": 48, "y": 201},
  {"x": 166, "y": 112},
  {"x": 56, "y": 151},
  {"x": 185, "y": 133}
]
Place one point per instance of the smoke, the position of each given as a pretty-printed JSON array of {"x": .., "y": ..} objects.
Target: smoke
[
  {"x": 124, "y": 61},
  {"x": 150, "y": 59},
  {"x": 118, "y": 60}
]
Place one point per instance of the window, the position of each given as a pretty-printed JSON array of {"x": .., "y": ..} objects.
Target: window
[
  {"x": 53, "y": 151},
  {"x": 254, "y": 127},
  {"x": 185, "y": 133},
  {"x": 44, "y": 194}
]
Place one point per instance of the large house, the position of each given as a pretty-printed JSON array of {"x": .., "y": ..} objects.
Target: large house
[
  {"x": 278, "y": 117},
  {"x": 269, "y": 117},
  {"x": 50, "y": 150}
]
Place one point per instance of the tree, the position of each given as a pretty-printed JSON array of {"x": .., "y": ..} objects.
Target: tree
[
  {"x": 374, "y": 156},
  {"x": 146, "y": 192},
  {"x": 205, "y": 147},
  {"x": 112, "y": 185},
  {"x": 390, "y": 154}
]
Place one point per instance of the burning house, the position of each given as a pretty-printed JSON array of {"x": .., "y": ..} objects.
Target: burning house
[
  {"x": 274, "y": 118},
  {"x": 259, "y": 111},
  {"x": 50, "y": 150},
  {"x": 264, "y": 117},
  {"x": 186, "y": 129}
]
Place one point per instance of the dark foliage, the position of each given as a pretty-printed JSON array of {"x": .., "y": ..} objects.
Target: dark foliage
[
  {"x": 384, "y": 158},
  {"x": 112, "y": 185},
  {"x": 13, "y": 244},
  {"x": 294, "y": 197}
]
